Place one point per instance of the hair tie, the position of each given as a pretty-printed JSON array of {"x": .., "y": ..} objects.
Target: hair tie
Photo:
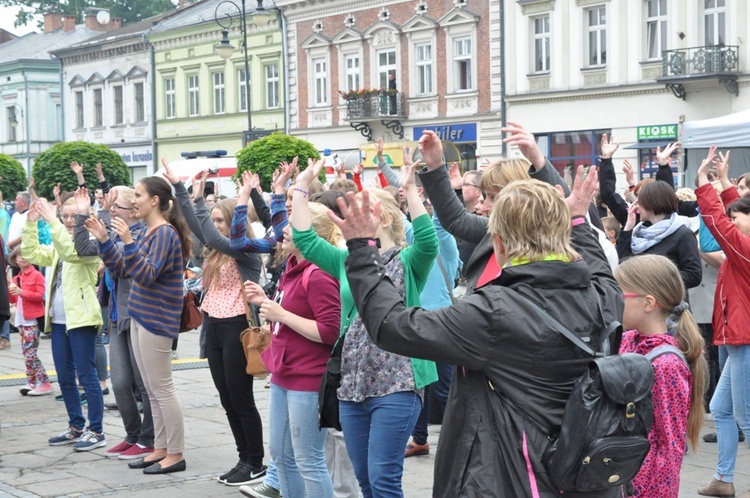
[{"x": 680, "y": 308}]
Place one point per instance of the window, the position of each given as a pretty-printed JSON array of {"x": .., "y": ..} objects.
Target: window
[
  {"x": 597, "y": 36},
  {"x": 462, "y": 64},
  {"x": 423, "y": 61},
  {"x": 242, "y": 90},
  {"x": 351, "y": 63},
  {"x": 218, "y": 78},
  {"x": 272, "y": 85},
  {"x": 656, "y": 28},
  {"x": 119, "y": 116},
  {"x": 386, "y": 66},
  {"x": 12, "y": 123},
  {"x": 140, "y": 107},
  {"x": 566, "y": 150},
  {"x": 79, "y": 110},
  {"x": 169, "y": 98},
  {"x": 98, "y": 119},
  {"x": 541, "y": 44},
  {"x": 714, "y": 21},
  {"x": 193, "y": 96},
  {"x": 320, "y": 76}
]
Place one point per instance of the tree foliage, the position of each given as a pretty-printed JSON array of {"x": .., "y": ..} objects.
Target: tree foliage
[
  {"x": 53, "y": 166},
  {"x": 13, "y": 177},
  {"x": 130, "y": 11},
  {"x": 263, "y": 156}
]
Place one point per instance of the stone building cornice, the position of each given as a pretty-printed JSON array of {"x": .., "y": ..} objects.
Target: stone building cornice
[
  {"x": 585, "y": 94},
  {"x": 210, "y": 36},
  {"x": 86, "y": 55}
]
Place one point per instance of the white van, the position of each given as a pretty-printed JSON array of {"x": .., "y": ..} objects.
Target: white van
[{"x": 220, "y": 167}]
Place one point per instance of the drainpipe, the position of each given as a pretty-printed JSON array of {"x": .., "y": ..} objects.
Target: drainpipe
[
  {"x": 28, "y": 127},
  {"x": 503, "y": 103},
  {"x": 153, "y": 102},
  {"x": 61, "y": 123},
  {"x": 282, "y": 27}
]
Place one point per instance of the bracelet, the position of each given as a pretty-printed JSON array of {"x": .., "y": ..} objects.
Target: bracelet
[{"x": 303, "y": 191}]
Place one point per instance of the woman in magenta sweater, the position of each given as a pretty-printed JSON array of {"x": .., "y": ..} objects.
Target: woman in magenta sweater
[{"x": 305, "y": 315}]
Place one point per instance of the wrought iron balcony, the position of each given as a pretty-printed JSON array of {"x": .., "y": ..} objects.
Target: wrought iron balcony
[
  {"x": 682, "y": 65},
  {"x": 374, "y": 105}
]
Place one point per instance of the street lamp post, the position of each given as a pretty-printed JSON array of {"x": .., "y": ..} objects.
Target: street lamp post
[{"x": 225, "y": 49}]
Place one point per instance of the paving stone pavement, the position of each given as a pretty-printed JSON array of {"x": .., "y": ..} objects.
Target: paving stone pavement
[{"x": 29, "y": 467}]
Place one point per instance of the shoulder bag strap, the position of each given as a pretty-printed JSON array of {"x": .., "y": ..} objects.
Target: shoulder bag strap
[{"x": 448, "y": 284}]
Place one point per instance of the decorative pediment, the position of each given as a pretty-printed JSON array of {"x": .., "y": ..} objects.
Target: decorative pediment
[
  {"x": 316, "y": 40},
  {"x": 347, "y": 35},
  {"x": 77, "y": 81},
  {"x": 418, "y": 23},
  {"x": 115, "y": 75},
  {"x": 458, "y": 16},
  {"x": 135, "y": 73},
  {"x": 95, "y": 79},
  {"x": 381, "y": 25}
]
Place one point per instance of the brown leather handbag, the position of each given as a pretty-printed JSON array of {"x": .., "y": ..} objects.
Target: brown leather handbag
[
  {"x": 255, "y": 339},
  {"x": 191, "y": 317}
]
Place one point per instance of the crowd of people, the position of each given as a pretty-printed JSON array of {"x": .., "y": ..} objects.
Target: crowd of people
[{"x": 371, "y": 270}]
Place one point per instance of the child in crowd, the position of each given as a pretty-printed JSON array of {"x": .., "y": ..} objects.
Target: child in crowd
[
  {"x": 193, "y": 280},
  {"x": 26, "y": 291},
  {"x": 655, "y": 315},
  {"x": 611, "y": 228}
]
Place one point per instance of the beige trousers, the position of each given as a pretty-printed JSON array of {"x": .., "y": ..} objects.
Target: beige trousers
[{"x": 153, "y": 355}]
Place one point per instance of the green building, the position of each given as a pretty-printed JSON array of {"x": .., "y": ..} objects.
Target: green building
[{"x": 200, "y": 98}]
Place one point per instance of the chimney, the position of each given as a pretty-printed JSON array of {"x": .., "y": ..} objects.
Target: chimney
[
  {"x": 69, "y": 22},
  {"x": 52, "y": 21}
]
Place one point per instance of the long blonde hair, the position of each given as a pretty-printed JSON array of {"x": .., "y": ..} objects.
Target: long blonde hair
[
  {"x": 657, "y": 276},
  {"x": 503, "y": 172},
  {"x": 213, "y": 259},
  {"x": 390, "y": 214}
]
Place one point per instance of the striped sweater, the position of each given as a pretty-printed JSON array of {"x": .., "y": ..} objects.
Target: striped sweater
[{"x": 154, "y": 262}]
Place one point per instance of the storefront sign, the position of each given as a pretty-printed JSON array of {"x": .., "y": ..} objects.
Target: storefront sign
[
  {"x": 453, "y": 133},
  {"x": 657, "y": 132},
  {"x": 139, "y": 155}
]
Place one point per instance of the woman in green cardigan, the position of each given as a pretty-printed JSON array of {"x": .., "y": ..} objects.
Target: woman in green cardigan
[{"x": 381, "y": 393}]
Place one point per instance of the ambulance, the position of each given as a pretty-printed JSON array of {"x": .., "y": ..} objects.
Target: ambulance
[{"x": 221, "y": 168}]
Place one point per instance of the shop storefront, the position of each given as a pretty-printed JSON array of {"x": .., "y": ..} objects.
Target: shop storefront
[
  {"x": 140, "y": 160},
  {"x": 463, "y": 136},
  {"x": 649, "y": 138},
  {"x": 568, "y": 149}
]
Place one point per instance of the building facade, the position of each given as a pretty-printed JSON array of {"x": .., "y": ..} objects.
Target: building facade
[
  {"x": 635, "y": 69},
  {"x": 200, "y": 98},
  {"x": 360, "y": 70}
]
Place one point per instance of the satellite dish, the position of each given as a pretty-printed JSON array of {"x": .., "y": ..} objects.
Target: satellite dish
[{"x": 102, "y": 17}]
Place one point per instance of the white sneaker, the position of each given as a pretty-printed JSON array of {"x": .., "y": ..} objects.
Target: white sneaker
[{"x": 90, "y": 441}]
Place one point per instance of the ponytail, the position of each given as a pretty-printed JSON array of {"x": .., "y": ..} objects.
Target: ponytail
[
  {"x": 692, "y": 345},
  {"x": 177, "y": 220}
]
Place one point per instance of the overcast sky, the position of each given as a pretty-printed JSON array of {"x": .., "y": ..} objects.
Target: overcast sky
[{"x": 8, "y": 17}]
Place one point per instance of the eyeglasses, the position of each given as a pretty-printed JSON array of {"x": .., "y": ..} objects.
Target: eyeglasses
[
  {"x": 631, "y": 294},
  {"x": 123, "y": 208},
  {"x": 472, "y": 185}
]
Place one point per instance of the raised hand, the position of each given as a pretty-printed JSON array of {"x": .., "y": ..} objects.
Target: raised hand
[
  {"x": 379, "y": 149},
  {"x": 96, "y": 227},
  {"x": 627, "y": 168},
  {"x": 360, "y": 217},
  {"x": 432, "y": 150},
  {"x": 407, "y": 175},
  {"x": 45, "y": 210},
  {"x": 33, "y": 213},
  {"x": 584, "y": 188},
  {"x": 358, "y": 169},
  {"x": 722, "y": 166},
  {"x": 608, "y": 148},
  {"x": 454, "y": 174},
  {"x": 244, "y": 186},
  {"x": 109, "y": 200},
  {"x": 99, "y": 172},
  {"x": 526, "y": 143},
  {"x": 305, "y": 178},
  {"x": 705, "y": 165},
  {"x": 32, "y": 191},
  {"x": 170, "y": 175},
  {"x": 633, "y": 211},
  {"x": 77, "y": 168},
  {"x": 56, "y": 193},
  {"x": 122, "y": 229},
  {"x": 254, "y": 293},
  {"x": 664, "y": 156},
  {"x": 83, "y": 203},
  {"x": 199, "y": 185}
]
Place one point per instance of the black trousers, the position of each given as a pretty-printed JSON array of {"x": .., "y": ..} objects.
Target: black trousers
[{"x": 226, "y": 360}]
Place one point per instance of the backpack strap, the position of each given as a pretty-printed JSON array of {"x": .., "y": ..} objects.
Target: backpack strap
[
  {"x": 306, "y": 275},
  {"x": 666, "y": 349}
]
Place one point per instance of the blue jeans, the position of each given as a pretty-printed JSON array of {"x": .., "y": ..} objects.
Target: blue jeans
[
  {"x": 441, "y": 388},
  {"x": 297, "y": 446},
  {"x": 376, "y": 432},
  {"x": 5, "y": 330},
  {"x": 730, "y": 407},
  {"x": 74, "y": 353}
]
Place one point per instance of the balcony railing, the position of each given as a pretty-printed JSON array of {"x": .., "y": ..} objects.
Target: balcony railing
[
  {"x": 375, "y": 106},
  {"x": 695, "y": 63}
]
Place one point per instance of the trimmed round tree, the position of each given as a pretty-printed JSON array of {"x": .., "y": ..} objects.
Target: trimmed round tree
[
  {"x": 263, "y": 156},
  {"x": 13, "y": 177},
  {"x": 53, "y": 166}
]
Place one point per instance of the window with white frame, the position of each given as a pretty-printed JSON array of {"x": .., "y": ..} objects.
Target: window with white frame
[
  {"x": 98, "y": 117},
  {"x": 541, "y": 44},
  {"x": 423, "y": 63},
  {"x": 79, "y": 110},
  {"x": 320, "y": 81},
  {"x": 169, "y": 98},
  {"x": 386, "y": 66},
  {"x": 140, "y": 103},
  {"x": 119, "y": 113},
  {"x": 596, "y": 30},
  {"x": 351, "y": 64},
  {"x": 714, "y": 22},
  {"x": 242, "y": 89},
  {"x": 193, "y": 95},
  {"x": 462, "y": 72},
  {"x": 272, "y": 85},
  {"x": 12, "y": 123},
  {"x": 656, "y": 28},
  {"x": 218, "y": 79}
]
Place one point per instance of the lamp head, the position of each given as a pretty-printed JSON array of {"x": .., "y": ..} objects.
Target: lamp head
[{"x": 224, "y": 49}]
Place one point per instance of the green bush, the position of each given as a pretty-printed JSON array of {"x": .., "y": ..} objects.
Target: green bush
[
  {"x": 14, "y": 177},
  {"x": 53, "y": 166},
  {"x": 264, "y": 155}
]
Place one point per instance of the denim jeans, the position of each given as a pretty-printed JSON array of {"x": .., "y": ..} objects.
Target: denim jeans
[
  {"x": 125, "y": 375},
  {"x": 441, "y": 388},
  {"x": 74, "y": 353},
  {"x": 298, "y": 446},
  {"x": 5, "y": 330},
  {"x": 730, "y": 403},
  {"x": 376, "y": 432},
  {"x": 101, "y": 357}
]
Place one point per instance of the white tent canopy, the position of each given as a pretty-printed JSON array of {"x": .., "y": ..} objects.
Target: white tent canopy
[{"x": 732, "y": 130}]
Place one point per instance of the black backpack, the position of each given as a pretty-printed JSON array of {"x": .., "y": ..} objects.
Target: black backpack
[{"x": 603, "y": 439}]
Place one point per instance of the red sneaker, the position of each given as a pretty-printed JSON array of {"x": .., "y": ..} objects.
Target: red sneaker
[
  {"x": 115, "y": 451},
  {"x": 414, "y": 449},
  {"x": 135, "y": 451}
]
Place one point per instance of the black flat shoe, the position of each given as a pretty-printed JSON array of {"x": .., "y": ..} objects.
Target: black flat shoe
[
  {"x": 158, "y": 469},
  {"x": 141, "y": 463}
]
